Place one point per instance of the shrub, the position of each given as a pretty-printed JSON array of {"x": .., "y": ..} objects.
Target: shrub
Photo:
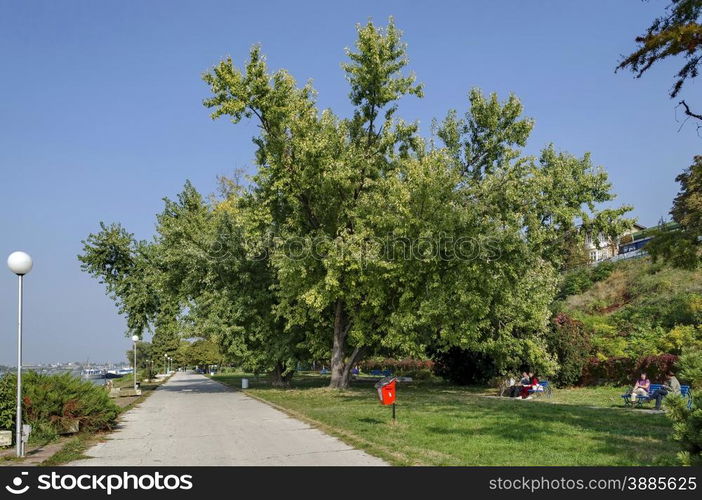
[
  {"x": 616, "y": 370},
  {"x": 398, "y": 367},
  {"x": 570, "y": 342},
  {"x": 656, "y": 366},
  {"x": 7, "y": 402},
  {"x": 51, "y": 401},
  {"x": 687, "y": 422},
  {"x": 681, "y": 337},
  {"x": 575, "y": 282},
  {"x": 602, "y": 271},
  {"x": 623, "y": 370},
  {"x": 683, "y": 309},
  {"x": 464, "y": 367},
  {"x": 690, "y": 364}
]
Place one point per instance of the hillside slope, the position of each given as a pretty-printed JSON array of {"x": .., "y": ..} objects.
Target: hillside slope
[{"x": 635, "y": 308}]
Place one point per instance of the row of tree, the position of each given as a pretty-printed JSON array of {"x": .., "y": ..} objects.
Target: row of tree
[
  {"x": 359, "y": 236},
  {"x": 200, "y": 352}
]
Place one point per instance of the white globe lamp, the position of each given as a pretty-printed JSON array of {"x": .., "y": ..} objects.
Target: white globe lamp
[{"x": 19, "y": 263}]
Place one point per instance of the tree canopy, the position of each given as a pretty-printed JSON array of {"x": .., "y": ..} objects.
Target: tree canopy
[
  {"x": 676, "y": 33},
  {"x": 357, "y": 236}
]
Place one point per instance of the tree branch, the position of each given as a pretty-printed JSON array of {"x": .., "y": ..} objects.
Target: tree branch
[{"x": 688, "y": 112}]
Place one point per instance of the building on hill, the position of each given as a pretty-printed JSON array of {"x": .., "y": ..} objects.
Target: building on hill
[
  {"x": 628, "y": 245},
  {"x": 602, "y": 248}
]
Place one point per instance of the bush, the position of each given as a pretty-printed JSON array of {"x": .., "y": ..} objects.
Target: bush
[
  {"x": 50, "y": 402},
  {"x": 7, "y": 402},
  {"x": 656, "y": 366},
  {"x": 406, "y": 367},
  {"x": 602, "y": 271},
  {"x": 681, "y": 337},
  {"x": 575, "y": 282},
  {"x": 687, "y": 423},
  {"x": 690, "y": 364},
  {"x": 623, "y": 370},
  {"x": 615, "y": 370},
  {"x": 570, "y": 342},
  {"x": 464, "y": 367},
  {"x": 581, "y": 279}
]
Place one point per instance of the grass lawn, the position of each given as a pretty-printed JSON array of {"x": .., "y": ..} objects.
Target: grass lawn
[{"x": 440, "y": 424}]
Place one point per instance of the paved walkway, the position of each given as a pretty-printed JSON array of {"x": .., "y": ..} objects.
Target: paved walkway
[{"x": 192, "y": 420}]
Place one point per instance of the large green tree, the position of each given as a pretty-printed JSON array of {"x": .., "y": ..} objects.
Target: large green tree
[
  {"x": 357, "y": 236},
  {"x": 479, "y": 227}
]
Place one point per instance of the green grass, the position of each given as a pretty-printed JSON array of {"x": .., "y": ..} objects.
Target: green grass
[
  {"x": 440, "y": 424},
  {"x": 72, "y": 450}
]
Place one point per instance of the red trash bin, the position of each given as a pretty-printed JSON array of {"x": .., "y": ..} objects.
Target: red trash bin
[
  {"x": 388, "y": 393},
  {"x": 386, "y": 390}
]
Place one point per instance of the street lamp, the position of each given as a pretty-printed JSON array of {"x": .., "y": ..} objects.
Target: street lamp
[
  {"x": 165, "y": 364},
  {"x": 19, "y": 263},
  {"x": 135, "y": 338}
]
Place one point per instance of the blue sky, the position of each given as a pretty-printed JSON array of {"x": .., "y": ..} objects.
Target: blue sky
[{"x": 101, "y": 116}]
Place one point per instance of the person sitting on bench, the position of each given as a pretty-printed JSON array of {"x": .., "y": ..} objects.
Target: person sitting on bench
[
  {"x": 671, "y": 384},
  {"x": 533, "y": 383},
  {"x": 640, "y": 387},
  {"x": 516, "y": 388}
]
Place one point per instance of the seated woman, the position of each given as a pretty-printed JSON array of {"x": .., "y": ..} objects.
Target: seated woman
[
  {"x": 533, "y": 383},
  {"x": 515, "y": 389},
  {"x": 640, "y": 387}
]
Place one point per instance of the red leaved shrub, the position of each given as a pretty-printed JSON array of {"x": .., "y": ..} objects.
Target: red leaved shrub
[
  {"x": 624, "y": 371},
  {"x": 397, "y": 366}
]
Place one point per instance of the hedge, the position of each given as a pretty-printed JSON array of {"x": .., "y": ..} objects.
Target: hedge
[
  {"x": 623, "y": 370},
  {"x": 397, "y": 366}
]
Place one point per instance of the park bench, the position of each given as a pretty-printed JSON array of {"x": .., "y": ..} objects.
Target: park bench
[
  {"x": 640, "y": 400},
  {"x": 381, "y": 373},
  {"x": 545, "y": 389}
]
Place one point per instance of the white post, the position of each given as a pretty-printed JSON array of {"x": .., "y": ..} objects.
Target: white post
[
  {"x": 135, "y": 365},
  {"x": 19, "y": 263},
  {"x": 18, "y": 423}
]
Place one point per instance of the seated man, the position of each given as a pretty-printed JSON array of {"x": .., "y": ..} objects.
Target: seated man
[
  {"x": 515, "y": 389},
  {"x": 671, "y": 385},
  {"x": 640, "y": 387},
  {"x": 533, "y": 383}
]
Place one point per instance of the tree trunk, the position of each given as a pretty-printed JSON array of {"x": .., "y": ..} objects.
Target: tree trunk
[
  {"x": 338, "y": 349},
  {"x": 279, "y": 377},
  {"x": 341, "y": 364}
]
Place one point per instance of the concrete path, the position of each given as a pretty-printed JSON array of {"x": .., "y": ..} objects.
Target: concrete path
[{"x": 192, "y": 420}]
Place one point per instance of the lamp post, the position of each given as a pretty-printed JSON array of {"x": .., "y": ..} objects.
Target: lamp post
[
  {"x": 165, "y": 364},
  {"x": 135, "y": 338},
  {"x": 19, "y": 263}
]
